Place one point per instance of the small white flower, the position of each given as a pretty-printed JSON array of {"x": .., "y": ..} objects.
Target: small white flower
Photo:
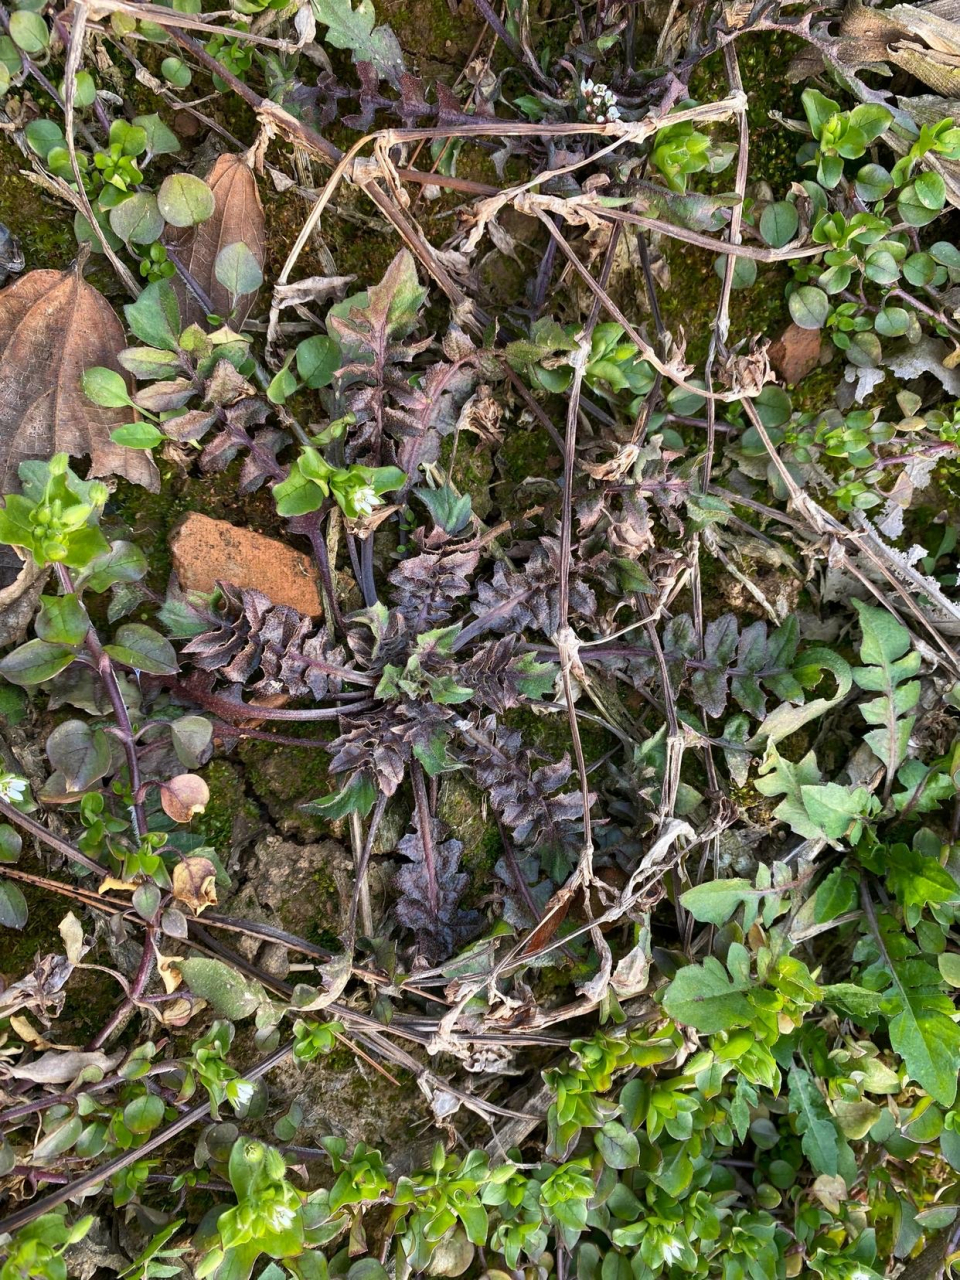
[
  {"x": 12, "y": 788},
  {"x": 586, "y": 87},
  {"x": 365, "y": 500},
  {"x": 672, "y": 1249},
  {"x": 279, "y": 1216},
  {"x": 613, "y": 113},
  {"x": 240, "y": 1092}
]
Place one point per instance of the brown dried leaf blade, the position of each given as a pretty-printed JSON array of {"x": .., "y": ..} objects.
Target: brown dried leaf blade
[
  {"x": 237, "y": 218},
  {"x": 53, "y": 326}
]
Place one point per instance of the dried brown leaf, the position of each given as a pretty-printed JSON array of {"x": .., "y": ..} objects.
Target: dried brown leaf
[
  {"x": 194, "y": 883},
  {"x": 183, "y": 796},
  {"x": 53, "y": 326},
  {"x": 237, "y": 218}
]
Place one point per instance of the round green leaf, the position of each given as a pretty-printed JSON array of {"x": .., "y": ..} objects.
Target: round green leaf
[
  {"x": 779, "y": 223},
  {"x": 931, "y": 190},
  {"x": 920, "y": 269},
  {"x": 892, "y": 322},
  {"x": 176, "y": 72},
  {"x": 13, "y": 906},
  {"x": 744, "y": 271},
  {"x": 137, "y": 220},
  {"x": 873, "y": 182},
  {"x": 946, "y": 253},
  {"x": 809, "y": 307},
  {"x": 105, "y": 387},
  {"x": 912, "y": 209},
  {"x": 29, "y": 31},
  {"x": 185, "y": 200},
  {"x": 43, "y": 136},
  {"x": 143, "y": 1114},
  {"x": 237, "y": 269},
  {"x": 160, "y": 140},
  {"x": 85, "y": 91},
  {"x": 10, "y": 843},
  {"x": 318, "y": 359}
]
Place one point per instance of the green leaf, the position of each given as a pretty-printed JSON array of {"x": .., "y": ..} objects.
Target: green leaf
[
  {"x": 29, "y": 31},
  {"x": 13, "y": 906},
  {"x": 619, "y": 1147},
  {"x": 155, "y": 316},
  {"x": 835, "y": 896},
  {"x": 917, "y": 880},
  {"x": 106, "y": 387},
  {"x": 35, "y": 662},
  {"x": 873, "y": 183},
  {"x": 238, "y": 270},
  {"x": 143, "y": 1114},
  {"x": 858, "y": 1002},
  {"x": 744, "y": 271},
  {"x": 786, "y": 719},
  {"x": 931, "y": 190},
  {"x": 318, "y": 359},
  {"x": 892, "y": 322},
  {"x": 715, "y": 903},
  {"x": 191, "y": 737},
  {"x": 185, "y": 200},
  {"x": 912, "y": 209},
  {"x": 137, "y": 435},
  {"x": 779, "y": 223},
  {"x": 150, "y": 363},
  {"x": 160, "y": 140},
  {"x": 297, "y": 495},
  {"x": 43, "y": 135},
  {"x": 819, "y": 1136},
  {"x": 818, "y": 109},
  {"x": 705, "y": 997},
  {"x": 123, "y": 562},
  {"x": 229, "y": 994},
  {"x": 809, "y": 307},
  {"x": 949, "y": 964},
  {"x": 137, "y": 220},
  {"x": 81, "y": 753},
  {"x": 353, "y": 29},
  {"x": 450, "y": 511},
  {"x": 143, "y": 649},
  {"x": 62, "y": 620},
  {"x": 885, "y": 646},
  {"x": 176, "y": 72},
  {"x": 780, "y": 777},
  {"x": 357, "y": 796},
  {"x": 11, "y": 843},
  {"x": 834, "y": 809},
  {"x": 926, "y": 1038}
]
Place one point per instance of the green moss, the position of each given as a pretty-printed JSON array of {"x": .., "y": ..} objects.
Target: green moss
[
  {"x": 43, "y": 227},
  {"x": 550, "y": 734},
  {"x": 282, "y": 777},
  {"x": 527, "y": 451},
  {"x": 472, "y": 471},
  {"x": 228, "y": 802}
]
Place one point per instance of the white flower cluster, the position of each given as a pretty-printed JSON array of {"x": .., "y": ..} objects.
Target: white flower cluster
[{"x": 601, "y": 102}]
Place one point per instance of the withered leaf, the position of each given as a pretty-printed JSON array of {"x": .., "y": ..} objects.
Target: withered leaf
[
  {"x": 183, "y": 796},
  {"x": 53, "y": 326},
  {"x": 194, "y": 883},
  {"x": 237, "y": 219}
]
